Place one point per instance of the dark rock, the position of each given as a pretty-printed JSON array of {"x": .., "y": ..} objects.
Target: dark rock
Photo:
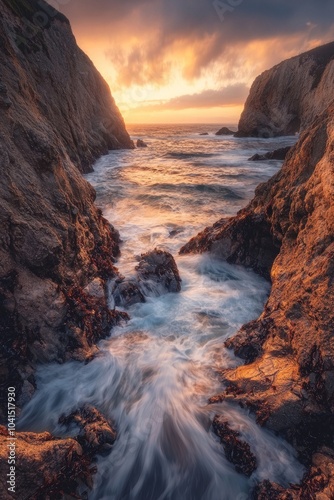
[
  {"x": 238, "y": 452},
  {"x": 318, "y": 483},
  {"x": 281, "y": 105},
  {"x": 96, "y": 435},
  {"x": 159, "y": 267},
  {"x": 126, "y": 293},
  {"x": 46, "y": 467},
  {"x": 204, "y": 133},
  {"x": 157, "y": 274},
  {"x": 278, "y": 154},
  {"x": 141, "y": 144},
  {"x": 225, "y": 131}
]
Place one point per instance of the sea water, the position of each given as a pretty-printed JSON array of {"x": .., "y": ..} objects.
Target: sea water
[{"x": 155, "y": 374}]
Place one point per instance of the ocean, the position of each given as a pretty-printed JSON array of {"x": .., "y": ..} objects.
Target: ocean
[{"x": 155, "y": 374}]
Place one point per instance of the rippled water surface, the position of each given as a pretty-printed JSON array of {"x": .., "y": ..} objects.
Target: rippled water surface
[{"x": 155, "y": 374}]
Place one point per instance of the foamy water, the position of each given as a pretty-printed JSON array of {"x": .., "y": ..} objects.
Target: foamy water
[{"x": 154, "y": 375}]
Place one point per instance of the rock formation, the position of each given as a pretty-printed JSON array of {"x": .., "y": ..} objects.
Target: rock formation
[
  {"x": 47, "y": 467},
  {"x": 237, "y": 451},
  {"x": 57, "y": 116},
  {"x": 286, "y": 234},
  {"x": 225, "y": 131},
  {"x": 287, "y": 98},
  {"x": 156, "y": 274},
  {"x": 278, "y": 154}
]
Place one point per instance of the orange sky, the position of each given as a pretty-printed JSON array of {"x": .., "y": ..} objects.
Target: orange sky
[{"x": 167, "y": 62}]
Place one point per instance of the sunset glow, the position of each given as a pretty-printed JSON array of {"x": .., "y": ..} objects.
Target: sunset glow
[{"x": 182, "y": 63}]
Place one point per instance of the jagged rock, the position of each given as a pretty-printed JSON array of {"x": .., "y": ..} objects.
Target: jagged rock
[
  {"x": 287, "y": 98},
  {"x": 96, "y": 435},
  {"x": 238, "y": 452},
  {"x": 286, "y": 233},
  {"x": 95, "y": 289},
  {"x": 45, "y": 467},
  {"x": 278, "y": 154},
  {"x": 225, "y": 131},
  {"x": 141, "y": 144},
  {"x": 53, "y": 239},
  {"x": 318, "y": 483},
  {"x": 159, "y": 267},
  {"x": 156, "y": 274},
  {"x": 127, "y": 292}
]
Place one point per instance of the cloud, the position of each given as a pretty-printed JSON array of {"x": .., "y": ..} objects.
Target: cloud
[
  {"x": 150, "y": 39},
  {"x": 232, "y": 95}
]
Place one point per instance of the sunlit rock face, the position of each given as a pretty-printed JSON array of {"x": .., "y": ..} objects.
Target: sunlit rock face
[
  {"x": 56, "y": 116},
  {"x": 287, "y": 98},
  {"x": 288, "y": 378}
]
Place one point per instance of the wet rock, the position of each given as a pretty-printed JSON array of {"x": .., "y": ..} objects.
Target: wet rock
[
  {"x": 225, "y": 131},
  {"x": 286, "y": 234},
  {"x": 127, "y": 292},
  {"x": 238, "y": 452},
  {"x": 53, "y": 239},
  {"x": 141, "y": 144},
  {"x": 95, "y": 289},
  {"x": 159, "y": 267},
  {"x": 280, "y": 105},
  {"x": 156, "y": 274},
  {"x": 204, "y": 133},
  {"x": 318, "y": 483},
  {"x": 96, "y": 435},
  {"x": 278, "y": 154},
  {"x": 46, "y": 467}
]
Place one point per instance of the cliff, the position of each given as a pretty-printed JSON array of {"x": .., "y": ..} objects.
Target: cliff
[
  {"x": 286, "y": 233},
  {"x": 56, "y": 116},
  {"x": 287, "y": 98}
]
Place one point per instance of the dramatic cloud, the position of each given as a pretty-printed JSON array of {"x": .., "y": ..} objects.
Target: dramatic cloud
[
  {"x": 228, "y": 96},
  {"x": 199, "y": 43},
  {"x": 148, "y": 33}
]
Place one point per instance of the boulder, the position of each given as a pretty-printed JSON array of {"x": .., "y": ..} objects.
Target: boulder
[
  {"x": 127, "y": 292},
  {"x": 159, "y": 267},
  {"x": 96, "y": 433},
  {"x": 225, "y": 131},
  {"x": 141, "y": 144},
  {"x": 156, "y": 274},
  {"x": 278, "y": 154}
]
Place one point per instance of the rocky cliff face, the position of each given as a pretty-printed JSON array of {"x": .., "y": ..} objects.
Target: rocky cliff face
[
  {"x": 287, "y": 234},
  {"x": 287, "y": 98},
  {"x": 56, "y": 116}
]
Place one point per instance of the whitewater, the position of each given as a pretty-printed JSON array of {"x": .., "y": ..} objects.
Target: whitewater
[{"x": 154, "y": 375}]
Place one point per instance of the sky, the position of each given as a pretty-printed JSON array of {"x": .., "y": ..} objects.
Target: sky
[{"x": 192, "y": 61}]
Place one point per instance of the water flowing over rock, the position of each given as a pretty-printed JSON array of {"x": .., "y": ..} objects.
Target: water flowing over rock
[
  {"x": 278, "y": 154},
  {"x": 57, "y": 116},
  {"x": 238, "y": 452},
  {"x": 141, "y": 144},
  {"x": 287, "y": 98},
  {"x": 286, "y": 233},
  {"x": 156, "y": 274}
]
